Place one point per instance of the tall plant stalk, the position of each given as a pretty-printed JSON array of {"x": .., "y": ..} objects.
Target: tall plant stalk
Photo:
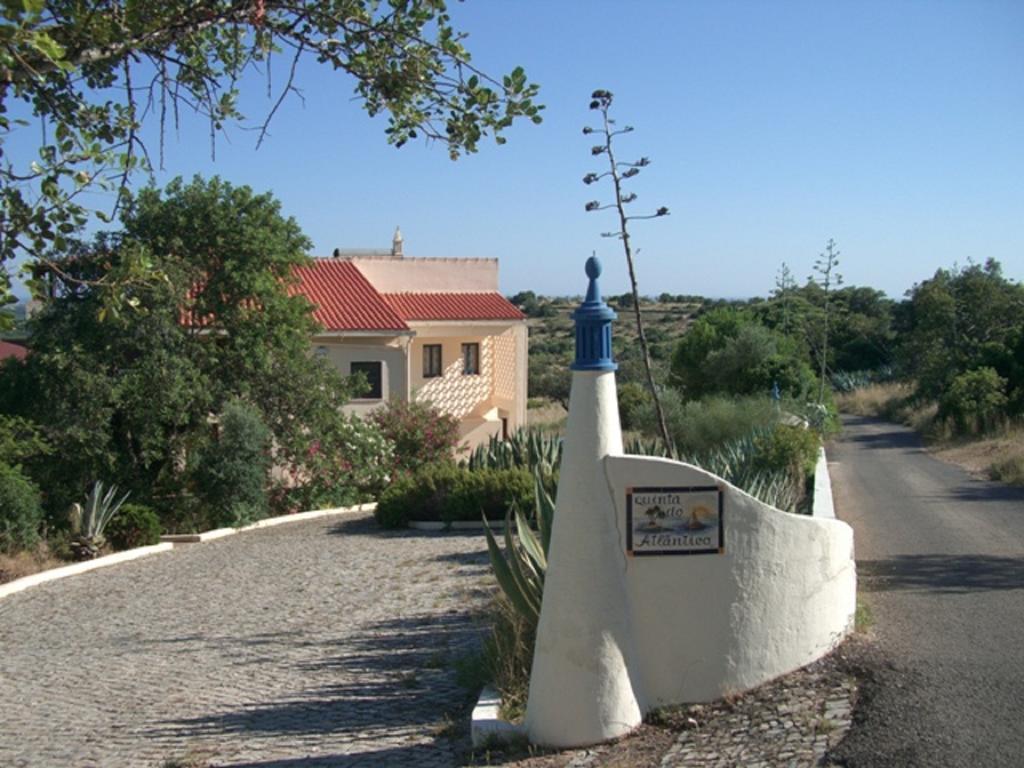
[
  {"x": 601, "y": 101},
  {"x": 828, "y": 279}
]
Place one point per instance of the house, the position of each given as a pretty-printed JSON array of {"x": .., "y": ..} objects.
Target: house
[
  {"x": 423, "y": 329},
  {"x": 7, "y": 349}
]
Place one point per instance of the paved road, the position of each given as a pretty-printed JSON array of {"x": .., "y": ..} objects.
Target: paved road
[
  {"x": 941, "y": 564},
  {"x": 318, "y": 643}
]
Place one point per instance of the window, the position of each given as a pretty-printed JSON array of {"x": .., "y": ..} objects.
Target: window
[
  {"x": 372, "y": 372},
  {"x": 431, "y": 361},
  {"x": 470, "y": 359}
]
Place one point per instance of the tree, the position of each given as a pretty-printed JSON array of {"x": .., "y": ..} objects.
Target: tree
[
  {"x": 125, "y": 397},
  {"x": 92, "y": 72},
  {"x": 728, "y": 352},
  {"x": 959, "y": 320},
  {"x": 601, "y": 101}
]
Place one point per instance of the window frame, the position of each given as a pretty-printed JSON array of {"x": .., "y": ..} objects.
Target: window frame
[
  {"x": 428, "y": 371},
  {"x": 379, "y": 379},
  {"x": 471, "y": 354}
]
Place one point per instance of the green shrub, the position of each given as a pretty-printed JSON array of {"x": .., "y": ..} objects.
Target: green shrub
[
  {"x": 489, "y": 492},
  {"x": 449, "y": 493},
  {"x": 1008, "y": 470},
  {"x": 787, "y": 449},
  {"x": 232, "y": 474},
  {"x": 633, "y": 396},
  {"x": 419, "y": 496},
  {"x": 20, "y": 510},
  {"x": 135, "y": 525},
  {"x": 701, "y": 426},
  {"x": 975, "y": 401}
]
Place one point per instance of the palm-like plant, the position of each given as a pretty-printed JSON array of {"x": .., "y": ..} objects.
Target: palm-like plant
[{"x": 88, "y": 522}]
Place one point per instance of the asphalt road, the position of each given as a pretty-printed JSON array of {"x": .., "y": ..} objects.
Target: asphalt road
[{"x": 940, "y": 558}]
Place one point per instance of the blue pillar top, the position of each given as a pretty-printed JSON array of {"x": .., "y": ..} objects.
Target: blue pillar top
[{"x": 593, "y": 327}]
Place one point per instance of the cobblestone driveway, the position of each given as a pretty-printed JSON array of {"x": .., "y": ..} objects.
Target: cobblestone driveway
[{"x": 325, "y": 643}]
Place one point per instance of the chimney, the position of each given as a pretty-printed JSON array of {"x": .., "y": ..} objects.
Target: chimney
[
  {"x": 337, "y": 253},
  {"x": 396, "y": 244}
]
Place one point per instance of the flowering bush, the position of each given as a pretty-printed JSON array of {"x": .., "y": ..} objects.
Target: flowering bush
[
  {"x": 420, "y": 433},
  {"x": 346, "y": 462}
]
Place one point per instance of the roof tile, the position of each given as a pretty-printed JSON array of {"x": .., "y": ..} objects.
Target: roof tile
[
  {"x": 343, "y": 298},
  {"x": 489, "y": 305}
]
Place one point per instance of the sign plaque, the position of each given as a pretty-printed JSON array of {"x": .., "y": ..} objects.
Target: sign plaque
[{"x": 674, "y": 521}]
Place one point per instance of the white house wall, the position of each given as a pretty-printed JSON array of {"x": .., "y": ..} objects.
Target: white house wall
[
  {"x": 342, "y": 352},
  {"x": 394, "y": 275},
  {"x": 479, "y": 401}
]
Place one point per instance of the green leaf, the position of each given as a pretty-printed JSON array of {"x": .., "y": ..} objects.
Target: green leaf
[
  {"x": 505, "y": 578},
  {"x": 47, "y": 46},
  {"x": 530, "y": 542}
]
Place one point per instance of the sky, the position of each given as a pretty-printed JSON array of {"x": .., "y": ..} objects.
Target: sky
[{"x": 896, "y": 128}]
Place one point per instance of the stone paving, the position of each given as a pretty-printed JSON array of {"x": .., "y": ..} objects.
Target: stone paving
[
  {"x": 325, "y": 643},
  {"x": 791, "y": 722}
]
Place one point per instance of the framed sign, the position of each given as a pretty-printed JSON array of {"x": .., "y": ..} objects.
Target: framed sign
[{"x": 674, "y": 521}]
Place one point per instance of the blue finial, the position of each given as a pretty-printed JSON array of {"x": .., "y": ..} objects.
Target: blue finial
[{"x": 593, "y": 326}]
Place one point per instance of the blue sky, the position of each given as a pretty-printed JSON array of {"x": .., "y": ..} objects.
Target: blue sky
[{"x": 895, "y": 127}]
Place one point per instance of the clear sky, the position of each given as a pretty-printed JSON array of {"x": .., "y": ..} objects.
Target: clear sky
[{"x": 896, "y": 128}]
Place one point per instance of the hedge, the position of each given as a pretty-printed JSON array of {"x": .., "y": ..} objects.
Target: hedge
[{"x": 448, "y": 493}]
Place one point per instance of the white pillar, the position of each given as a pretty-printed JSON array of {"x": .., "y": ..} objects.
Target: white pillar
[{"x": 580, "y": 688}]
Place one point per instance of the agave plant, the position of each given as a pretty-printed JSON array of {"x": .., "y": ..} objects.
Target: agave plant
[
  {"x": 736, "y": 463},
  {"x": 530, "y": 448},
  {"x": 521, "y": 568},
  {"x": 88, "y": 522}
]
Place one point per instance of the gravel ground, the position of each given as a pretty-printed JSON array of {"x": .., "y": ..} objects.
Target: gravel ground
[
  {"x": 324, "y": 643},
  {"x": 795, "y": 722},
  {"x": 310, "y": 644}
]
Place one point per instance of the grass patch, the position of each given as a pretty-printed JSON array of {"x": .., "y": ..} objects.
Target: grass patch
[
  {"x": 1009, "y": 469},
  {"x": 824, "y": 725},
  {"x": 877, "y": 400},
  {"x": 28, "y": 562},
  {"x": 471, "y": 671},
  {"x": 500, "y": 751},
  {"x": 863, "y": 619}
]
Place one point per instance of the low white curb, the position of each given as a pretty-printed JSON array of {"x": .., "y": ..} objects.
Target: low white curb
[
  {"x": 217, "y": 533},
  {"x": 167, "y": 543},
  {"x": 457, "y": 525},
  {"x": 195, "y": 538},
  {"x": 72, "y": 570},
  {"x": 487, "y": 726},
  {"x": 823, "y": 505}
]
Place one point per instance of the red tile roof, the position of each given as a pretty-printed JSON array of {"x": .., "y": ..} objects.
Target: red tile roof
[
  {"x": 343, "y": 298},
  {"x": 489, "y": 305},
  {"x": 12, "y": 350}
]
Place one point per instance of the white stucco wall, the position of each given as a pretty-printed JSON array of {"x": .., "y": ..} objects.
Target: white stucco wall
[
  {"x": 341, "y": 353},
  {"x": 621, "y": 634},
  {"x": 782, "y": 593},
  {"x": 479, "y": 401},
  {"x": 824, "y": 504}
]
